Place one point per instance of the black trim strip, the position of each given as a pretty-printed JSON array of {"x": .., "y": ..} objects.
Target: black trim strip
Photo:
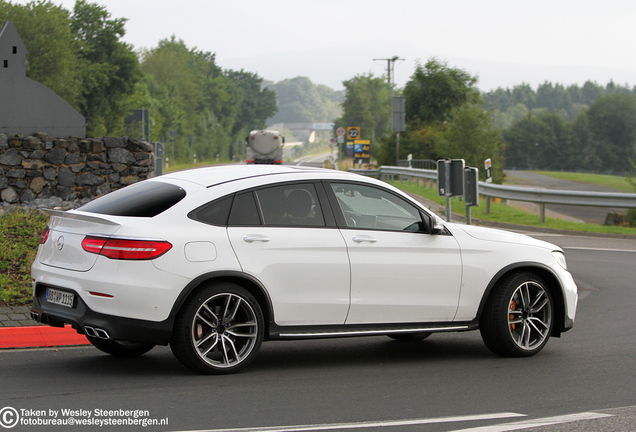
[{"x": 337, "y": 331}]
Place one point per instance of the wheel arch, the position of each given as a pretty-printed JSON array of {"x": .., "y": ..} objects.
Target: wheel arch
[
  {"x": 251, "y": 284},
  {"x": 549, "y": 277}
]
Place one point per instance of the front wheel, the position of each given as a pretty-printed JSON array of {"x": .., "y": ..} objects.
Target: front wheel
[
  {"x": 519, "y": 315},
  {"x": 219, "y": 330},
  {"x": 119, "y": 348}
]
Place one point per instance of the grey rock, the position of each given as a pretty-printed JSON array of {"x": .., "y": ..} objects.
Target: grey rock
[
  {"x": 121, "y": 156},
  {"x": 16, "y": 173},
  {"x": 115, "y": 142},
  {"x": 89, "y": 179},
  {"x": 65, "y": 177},
  {"x": 72, "y": 159},
  {"x": 56, "y": 156},
  {"x": 49, "y": 173},
  {"x": 11, "y": 157},
  {"x": 9, "y": 195},
  {"x": 27, "y": 196}
]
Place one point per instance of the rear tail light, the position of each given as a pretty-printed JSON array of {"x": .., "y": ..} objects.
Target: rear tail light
[
  {"x": 125, "y": 249},
  {"x": 45, "y": 235}
]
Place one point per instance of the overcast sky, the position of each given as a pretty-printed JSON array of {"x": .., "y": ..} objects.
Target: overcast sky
[{"x": 504, "y": 43}]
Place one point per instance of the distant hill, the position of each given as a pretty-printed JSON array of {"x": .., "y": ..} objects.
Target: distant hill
[{"x": 301, "y": 101}]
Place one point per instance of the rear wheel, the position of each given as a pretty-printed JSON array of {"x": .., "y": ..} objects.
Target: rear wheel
[
  {"x": 409, "y": 337},
  {"x": 219, "y": 330},
  {"x": 119, "y": 348},
  {"x": 519, "y": 315}
]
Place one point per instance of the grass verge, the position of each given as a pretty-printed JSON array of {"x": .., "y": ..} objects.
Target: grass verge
[
  {"x": 620, "y": 183},
  {"x": 504, "y": 213},
  {"x": 18, "y": 246}
]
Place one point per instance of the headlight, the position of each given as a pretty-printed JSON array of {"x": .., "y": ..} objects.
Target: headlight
[{"x": 560, "y": 258}]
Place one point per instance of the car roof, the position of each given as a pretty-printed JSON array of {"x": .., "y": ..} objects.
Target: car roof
[{"x": 214, "y": 175}]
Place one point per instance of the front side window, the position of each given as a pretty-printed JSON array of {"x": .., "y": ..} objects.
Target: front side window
[{"x": 368, "y": 207}]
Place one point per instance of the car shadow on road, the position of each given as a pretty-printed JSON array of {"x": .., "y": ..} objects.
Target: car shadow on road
[
  {"x": 376, "y": 351},
  {"x": 368, "y": 351}
]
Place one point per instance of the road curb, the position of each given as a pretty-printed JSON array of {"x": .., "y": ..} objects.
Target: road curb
[{"x": 40, "y": 336}]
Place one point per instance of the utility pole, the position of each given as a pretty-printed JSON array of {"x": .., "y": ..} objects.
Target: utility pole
[{"x": 390, "y": 67}]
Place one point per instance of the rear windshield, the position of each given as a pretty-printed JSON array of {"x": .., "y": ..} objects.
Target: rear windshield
[{"x": 143, "y": 199}]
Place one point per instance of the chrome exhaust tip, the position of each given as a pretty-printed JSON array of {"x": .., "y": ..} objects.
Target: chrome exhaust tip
[
  {"x": 35, "y": 316},
  {"x": 96, "y": 332},
  {"x": 90, "y": 331},
  {"x": 102, "y": 334}
]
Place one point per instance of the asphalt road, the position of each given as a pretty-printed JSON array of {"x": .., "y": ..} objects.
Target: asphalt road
[{"x": 374, "y": 383}]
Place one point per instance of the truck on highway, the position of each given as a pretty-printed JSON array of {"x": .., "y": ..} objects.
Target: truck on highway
[{"x": 264, "y": 147}]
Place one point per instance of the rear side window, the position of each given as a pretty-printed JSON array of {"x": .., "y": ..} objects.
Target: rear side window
[
  {"x": 143, "y": 199},
  {"x": 215, "y": 213},
  {"x": 290, "y": 205},
  {"x": 244, "y": 211}
]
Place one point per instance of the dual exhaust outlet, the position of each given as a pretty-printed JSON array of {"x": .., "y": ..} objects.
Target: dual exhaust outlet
[
  {"x": 88, "y": 330},
  {"x": 96, "y": 332}
]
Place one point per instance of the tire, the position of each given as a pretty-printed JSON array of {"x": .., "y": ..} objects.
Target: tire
[
  {"x": 219, "y": 329},
  {"x": 409, "y": 337},
  {"x": 120, "y": 348},
  {"x": 519, "y": 315}
]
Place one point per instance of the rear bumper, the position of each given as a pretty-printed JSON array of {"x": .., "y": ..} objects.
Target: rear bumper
[{"x": 86, "y": 321}]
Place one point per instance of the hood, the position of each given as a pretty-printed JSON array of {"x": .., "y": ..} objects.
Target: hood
[{"x": 492, "y": 234}]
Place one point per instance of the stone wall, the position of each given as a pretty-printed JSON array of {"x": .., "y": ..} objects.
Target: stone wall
[{"x": 41, "y": 167}]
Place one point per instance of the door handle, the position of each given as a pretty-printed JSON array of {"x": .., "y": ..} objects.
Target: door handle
[
  {"x": 255, "y": 238},
  {"x": 363, "y": 239}
]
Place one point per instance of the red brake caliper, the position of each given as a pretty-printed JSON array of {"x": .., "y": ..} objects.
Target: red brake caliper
[{"x": 513, "y": 306}]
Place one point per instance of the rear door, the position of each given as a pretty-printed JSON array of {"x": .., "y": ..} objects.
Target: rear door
[{"x": 283, "y": 238}]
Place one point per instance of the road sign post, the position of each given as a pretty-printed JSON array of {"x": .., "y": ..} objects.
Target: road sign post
[
  {"x": 471, "y": 189},
  {"x": 488, "y": 165},
  {"x": 450, "y": 180}
]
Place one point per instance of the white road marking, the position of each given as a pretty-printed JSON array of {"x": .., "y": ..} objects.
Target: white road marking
[
  {"x": 527, "y": 424},
  {"x": 598, "y": 249},
  {"x": 360, "y": 425}
]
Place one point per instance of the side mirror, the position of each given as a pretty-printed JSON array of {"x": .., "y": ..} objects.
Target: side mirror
[{"x": 434, "y": 226}]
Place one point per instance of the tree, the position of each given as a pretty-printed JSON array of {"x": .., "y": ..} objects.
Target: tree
[
  {"x": 110, "y": 68},
  {"x": 301, "y": 101},
  {"x": 257, "y": 104},
  {"x": 612, "y": 122},
  {"x": 540, "y": 141},
  {"x": 445, "y": 120},
  {"x": 471, "y": 136},
  {"x": 367, "y": 105},
  {"x": 435, "y": 89}
]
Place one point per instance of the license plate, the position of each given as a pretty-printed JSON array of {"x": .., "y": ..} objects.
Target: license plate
[{"x": 62, "y": 298}]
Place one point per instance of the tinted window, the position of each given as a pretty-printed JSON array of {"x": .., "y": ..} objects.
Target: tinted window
[
  {"x": 244, "y": 211},
  {"x": 215, "y": 213},
  {"x": 371, "y": 208},
  {"x": 290, "y": 205},
  {"x": 143, "y": 199}
]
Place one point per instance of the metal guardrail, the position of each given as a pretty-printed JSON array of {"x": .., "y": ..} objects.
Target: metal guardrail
[{"x": 516, "y": 193}]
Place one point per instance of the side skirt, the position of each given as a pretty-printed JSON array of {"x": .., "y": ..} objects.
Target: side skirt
[{"x": 317, "y": 332}]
